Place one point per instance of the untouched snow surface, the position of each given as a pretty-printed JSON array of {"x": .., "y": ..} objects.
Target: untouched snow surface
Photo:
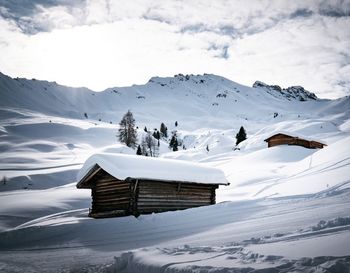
[{"x": 287, "y": 208}]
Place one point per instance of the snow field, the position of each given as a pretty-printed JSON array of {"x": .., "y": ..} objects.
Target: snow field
[{"x": 283, "y": 206}]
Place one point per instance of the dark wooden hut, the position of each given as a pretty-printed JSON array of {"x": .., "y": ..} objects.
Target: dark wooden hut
[
  {"x": 133, "y": 185},
  {"x": 287, "y": 139}
]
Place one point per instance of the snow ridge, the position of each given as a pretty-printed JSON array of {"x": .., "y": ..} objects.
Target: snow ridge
[{"x": 292, "y": 92}]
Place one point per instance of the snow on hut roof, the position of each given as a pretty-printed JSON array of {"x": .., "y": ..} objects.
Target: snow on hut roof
[
  {"x": 140, "y": 167},
  {"x": 293, "y": 134}
]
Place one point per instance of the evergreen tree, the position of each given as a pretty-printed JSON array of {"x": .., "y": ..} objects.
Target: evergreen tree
[
  {"x": 241, "y": 135},
  {"x": 163, "y": 130},
  {"x": 175, "y": 123},
  {"x": 156, "y": 134},
  {"x": 172, "y": 141},
  {"x": 127, "y": 131},
  {"x": 175, "y": 145},
  {"x": 139, "y": 151},
  {"x": 145, "y": 129},
  {"x": 207, "y": 148}
]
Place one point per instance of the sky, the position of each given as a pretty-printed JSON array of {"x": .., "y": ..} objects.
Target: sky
[{"x": 105, "y": 43}]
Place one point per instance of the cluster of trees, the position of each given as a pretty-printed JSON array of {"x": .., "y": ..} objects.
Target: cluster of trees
[
  {"x": 149, "y": 146},
  {"x": 150, "y": 142},
  {"x": 163, "y": 131}
]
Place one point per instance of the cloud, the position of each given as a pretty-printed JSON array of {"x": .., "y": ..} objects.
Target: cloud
[
  {"x": 36, "y": 16},
  {"x": 337, "y": 8},
  {"x": 101, "y": 43},
  {"x": 301, "y": 13},
  {"x": 226, "y": 17}
]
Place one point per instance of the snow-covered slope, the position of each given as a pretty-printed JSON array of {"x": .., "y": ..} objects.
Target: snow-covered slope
[
  {"x": 169, "y": 99},
  {"x": 47, "y": 131}
]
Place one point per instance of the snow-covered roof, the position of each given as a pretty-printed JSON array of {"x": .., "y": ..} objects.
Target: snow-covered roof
[
  {"x": 140, "y": 167},
  {"x": 292, "y": 134}
]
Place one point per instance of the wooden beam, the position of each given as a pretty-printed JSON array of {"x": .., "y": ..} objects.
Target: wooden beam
[
  {"x": 178, "y": 187},
  {"x": 136, "y": 184}
]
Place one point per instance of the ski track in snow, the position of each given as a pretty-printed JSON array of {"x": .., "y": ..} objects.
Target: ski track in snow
[{"x": 43, "y": 168}]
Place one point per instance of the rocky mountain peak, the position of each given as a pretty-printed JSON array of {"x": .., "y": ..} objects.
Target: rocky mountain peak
[{"x": 292, "y": 92}]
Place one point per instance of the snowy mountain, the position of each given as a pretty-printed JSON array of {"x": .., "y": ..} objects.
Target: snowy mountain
[
  {"x": 47, "y": 131},
  {"x": 199, "y": 95}
]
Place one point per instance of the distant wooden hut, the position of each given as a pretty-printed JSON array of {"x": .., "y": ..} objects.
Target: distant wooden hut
[
  {"x": 289, "y": 139},
  {"x": 133, "y": 185}
]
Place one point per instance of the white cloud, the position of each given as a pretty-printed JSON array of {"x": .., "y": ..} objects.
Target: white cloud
[{"x": 100, "y": 44}]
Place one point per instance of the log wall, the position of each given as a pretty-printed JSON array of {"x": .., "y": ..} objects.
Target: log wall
[
  {"x": 152, "y": 196},
  {"x": 110, "y": 197}
]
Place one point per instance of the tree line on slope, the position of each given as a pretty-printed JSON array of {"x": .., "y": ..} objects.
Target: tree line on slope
[
  {"x": 150, "y": 143},
  {"x": 149, "y": 146}
]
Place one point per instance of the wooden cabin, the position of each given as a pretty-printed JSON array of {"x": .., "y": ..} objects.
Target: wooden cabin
[
  {"x": 287, "y": 139},
  {"x": 133, "y": 185}
]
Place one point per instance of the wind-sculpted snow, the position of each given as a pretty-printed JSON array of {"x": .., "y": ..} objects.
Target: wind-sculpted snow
[
  {"x": 230, "y": 236},
  {"x": 283, "y": 206},
  {"x": 221, "y": 260}
]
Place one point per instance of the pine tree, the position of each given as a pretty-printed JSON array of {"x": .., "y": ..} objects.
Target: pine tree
[
  {"x": 175, "y": 123},
  {"x": 139, "y": 152},
  {"x": 127, "y": 131},
  {"x": 172, "y": 141},
  {"x": 156, "y": 134},
  {"x": 175, "y": 145},
  {"x": 163, "y": 130},
  {"x": 207, "y": 148},
  {"x": 145, "y": 129},
  {"x": 241, "y": 135}
]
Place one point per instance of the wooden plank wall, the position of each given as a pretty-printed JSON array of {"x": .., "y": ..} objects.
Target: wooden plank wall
[
  {"x": 152, "y": 196},
  {"x": 110, "y": 194}
]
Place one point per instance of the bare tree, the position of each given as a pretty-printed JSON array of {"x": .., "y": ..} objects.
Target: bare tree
[{"x": 149, "y": 146}]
